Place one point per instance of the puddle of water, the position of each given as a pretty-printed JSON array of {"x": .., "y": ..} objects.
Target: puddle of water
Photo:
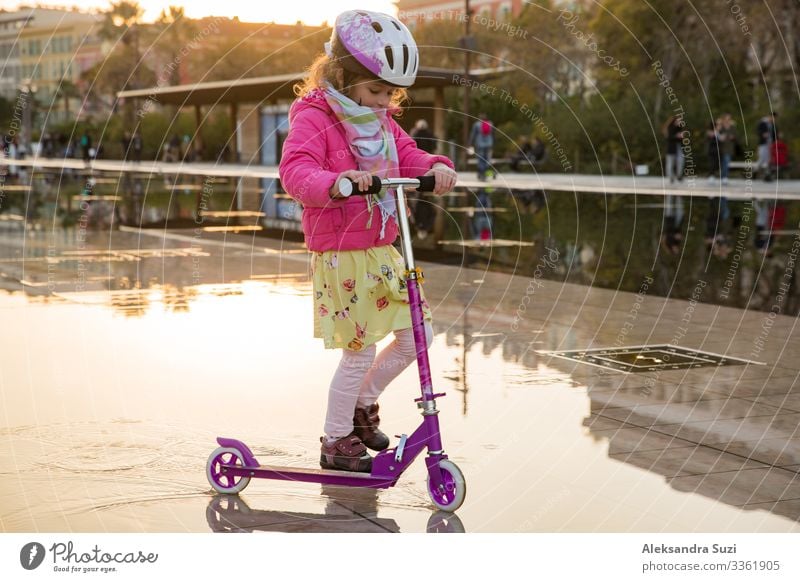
[
  {"x": 108, "y": 421},
  {"x": 112, "y": 396}
]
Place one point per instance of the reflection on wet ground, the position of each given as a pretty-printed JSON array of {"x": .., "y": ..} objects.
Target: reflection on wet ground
[
  {"x": 132, "y": 350},
  {"x": 665, "y": 242},
  {"x": 346, "y": 510}
]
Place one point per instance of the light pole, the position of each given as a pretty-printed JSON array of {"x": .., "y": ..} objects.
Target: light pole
[
  {"x": 468, "y": 46},
  {"x": 27, "y": 90}
]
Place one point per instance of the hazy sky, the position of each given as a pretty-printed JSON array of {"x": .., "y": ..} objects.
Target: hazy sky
[{"x": 309, "y": 11}]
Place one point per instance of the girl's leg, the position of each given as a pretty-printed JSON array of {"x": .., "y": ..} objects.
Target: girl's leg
[
  {"x": 344, "y": 389},
  {"x": 392, "y": 360}
]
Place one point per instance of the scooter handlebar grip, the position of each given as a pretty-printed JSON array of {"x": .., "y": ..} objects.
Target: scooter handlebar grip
[
  {"x": 349, "y": 188},
  {"x": 426, "y": 183}
]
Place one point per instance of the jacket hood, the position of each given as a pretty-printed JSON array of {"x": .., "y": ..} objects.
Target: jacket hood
[{"x": 313, "y": 99}]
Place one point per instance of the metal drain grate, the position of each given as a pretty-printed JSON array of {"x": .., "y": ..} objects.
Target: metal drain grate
[{"x": 648, "y": 358}]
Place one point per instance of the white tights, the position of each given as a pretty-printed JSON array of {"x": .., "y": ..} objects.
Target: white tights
[{"x": 361, "y": 378}]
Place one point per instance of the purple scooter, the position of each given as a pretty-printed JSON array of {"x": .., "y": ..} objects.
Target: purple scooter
[{"x": 232, "y": 465}]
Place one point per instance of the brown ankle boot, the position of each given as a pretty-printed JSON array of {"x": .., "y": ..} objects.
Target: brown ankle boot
[
  {"x": 346, "y": 454},
  {"x": 365, "y": 426}
]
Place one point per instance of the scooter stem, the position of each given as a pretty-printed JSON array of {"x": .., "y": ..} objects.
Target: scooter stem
[{"x": 417, "y": 317}]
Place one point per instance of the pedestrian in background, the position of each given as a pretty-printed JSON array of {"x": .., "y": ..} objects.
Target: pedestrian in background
[{"x": 481, "y": 138}]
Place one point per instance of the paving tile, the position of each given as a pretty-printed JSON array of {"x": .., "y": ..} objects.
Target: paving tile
[
  {"x": 788, "y": 508},
  {"x": 742, "y": 487},
  {"x": 644, "y": 395},
  {"x": 596, "y": 422},
  {"x": 727, "y": 374},
  {"x": 782, "y": 452},
  {"x": 698, "y": 460},
  {"x": 750, "y": 429},
  {"x": 628, "y": 439},
  {"x": 789, "y": 402},
  {"x": 688, "y": 412}
]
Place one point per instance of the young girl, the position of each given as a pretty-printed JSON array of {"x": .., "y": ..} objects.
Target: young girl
[{"x": 342, "y": 127}]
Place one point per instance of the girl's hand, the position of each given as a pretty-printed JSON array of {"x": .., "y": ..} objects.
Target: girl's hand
[
  {"x": 445, "y": 178},
  {"x": 362, "y": 180}
]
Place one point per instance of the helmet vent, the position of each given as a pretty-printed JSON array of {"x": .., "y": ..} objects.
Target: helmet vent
[
  {"x": 377, "y": 26},
  {"x": 405, "y": 58},
  {"x": 389, "y": 56},
  {"x": 397, "y": 26}
]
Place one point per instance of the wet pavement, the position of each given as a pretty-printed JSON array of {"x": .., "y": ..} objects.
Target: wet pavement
[{"x": 127, "y": 352}]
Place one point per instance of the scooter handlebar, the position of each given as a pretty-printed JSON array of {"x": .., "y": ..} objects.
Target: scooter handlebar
[{"x": 422, "y": 184}]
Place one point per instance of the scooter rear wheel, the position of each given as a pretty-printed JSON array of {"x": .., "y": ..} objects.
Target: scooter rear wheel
[
  {"x": 450, "y": 495},
  {"x": 220, "y": 481}
]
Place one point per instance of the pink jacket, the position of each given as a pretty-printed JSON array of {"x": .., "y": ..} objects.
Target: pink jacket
[{"x": 314, "y": 154}]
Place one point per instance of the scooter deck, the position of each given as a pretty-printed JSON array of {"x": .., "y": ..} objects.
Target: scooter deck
[{"x": 311, "y": 475}]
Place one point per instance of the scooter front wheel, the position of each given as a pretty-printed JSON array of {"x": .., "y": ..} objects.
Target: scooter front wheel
[
  {"x": 222, "y": 482},
  {"x": 450, "y": 495}
]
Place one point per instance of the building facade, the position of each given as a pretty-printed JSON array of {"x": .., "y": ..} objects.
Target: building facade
[
  {"x": 47, "y": 50},
  {"x": 11, "y": 23},
  {"x": 415, "y": 12}
]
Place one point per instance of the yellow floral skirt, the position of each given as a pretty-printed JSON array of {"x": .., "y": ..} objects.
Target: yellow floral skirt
[{"x": 360, "y": 296}]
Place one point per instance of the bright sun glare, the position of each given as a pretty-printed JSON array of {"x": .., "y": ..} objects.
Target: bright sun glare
[{"x": 308, "y": 11}]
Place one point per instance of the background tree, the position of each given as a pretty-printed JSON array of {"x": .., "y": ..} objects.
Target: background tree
[
  {"x": 123, "y": 68},
  {"x": 171, "y": 32}
]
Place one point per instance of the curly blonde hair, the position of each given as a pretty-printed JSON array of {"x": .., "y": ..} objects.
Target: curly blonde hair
[{"x": 324, "y": 69}]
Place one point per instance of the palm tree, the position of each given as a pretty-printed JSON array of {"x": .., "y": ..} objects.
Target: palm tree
[
  {"x": 122, "y": 24},
  {"x": 173, "y": 31}
]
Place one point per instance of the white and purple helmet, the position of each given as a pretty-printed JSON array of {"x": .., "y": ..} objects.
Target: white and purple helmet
[{"x": 380, "y": 44}]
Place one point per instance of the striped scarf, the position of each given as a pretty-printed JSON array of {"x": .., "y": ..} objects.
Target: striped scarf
[{"x": 372, "y": 144}]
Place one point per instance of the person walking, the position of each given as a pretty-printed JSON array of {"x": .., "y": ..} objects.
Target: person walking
[
  {"x": 766, "y": 137},
  {"x": 727, "y": 144},
  {"x": 424, "y": 137},
  {"x": 424, "y": 209},
  {"x": 481, "y": 138},
  {"x": 86, "y": 146},
  {"x": 712, "y": 150},
  {"x": 137, "y": 146},
  {"x": 125, "y": 142},
  {"x": 674, "y": 130}
]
